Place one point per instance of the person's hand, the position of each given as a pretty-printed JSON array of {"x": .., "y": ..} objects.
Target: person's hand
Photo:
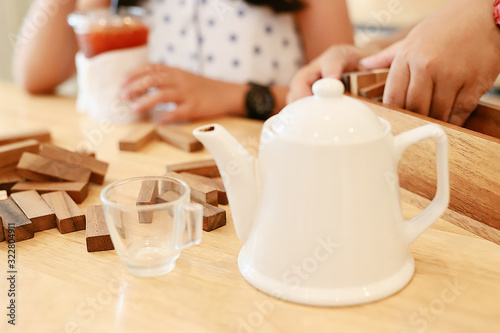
[
  {"x": 332, "y": 63},
  {"x": 445, "y": 64},
  {"x": 196, "y": 96}
]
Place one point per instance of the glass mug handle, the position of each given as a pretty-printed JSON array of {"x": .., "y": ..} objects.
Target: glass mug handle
[{"x": 188, "y": 225}]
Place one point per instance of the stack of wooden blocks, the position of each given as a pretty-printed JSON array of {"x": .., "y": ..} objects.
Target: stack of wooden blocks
[
  {"x": 45, "y": 183},
  {"x": 203, "y": 177},
  {"x": 368, "y": 84},
  {"x": 207, "y": 189}
]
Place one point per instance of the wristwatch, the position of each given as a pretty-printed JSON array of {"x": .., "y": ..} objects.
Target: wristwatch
[
  {"x": 496, "y": 12},
  {"x": 259, "y": 102}
]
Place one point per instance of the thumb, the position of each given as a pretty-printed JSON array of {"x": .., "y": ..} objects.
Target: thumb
[{"x": 382, "y": 59}]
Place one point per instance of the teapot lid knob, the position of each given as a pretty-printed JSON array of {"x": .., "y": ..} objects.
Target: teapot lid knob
[{"x": 328, "y": 88}]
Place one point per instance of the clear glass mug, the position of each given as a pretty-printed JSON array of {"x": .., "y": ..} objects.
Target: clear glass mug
[{"x": 150, "y": 220}]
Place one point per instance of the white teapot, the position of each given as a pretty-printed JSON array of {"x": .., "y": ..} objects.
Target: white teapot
[{"x": 318, "y": 210}]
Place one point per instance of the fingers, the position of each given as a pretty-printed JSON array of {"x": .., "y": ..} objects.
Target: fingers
[
  {"x": 397, "y": 83},
  {"x": 179, "y": 114},
  {"x": 338, "y": 60},
  {"x": 465, "y": 102},
  {"x": 153, "y": 70},
  {"x": 443, "y": 100},
  {"x": 302, "y": 82},
  {"x": 419, "y": 94},
  {"x": 149, "y": 101},
  {"x": 144, "y": 78},
  {"x": 382, "y": 59}
]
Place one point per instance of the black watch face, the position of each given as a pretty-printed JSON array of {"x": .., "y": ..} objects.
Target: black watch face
[{"x": 260, "y": 102}]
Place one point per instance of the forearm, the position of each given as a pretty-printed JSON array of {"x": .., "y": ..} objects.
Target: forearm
[
  {"x": 323, "y": 23},
  {"x": 44, "y": 54},
  {"x": 46, "y": 44}
]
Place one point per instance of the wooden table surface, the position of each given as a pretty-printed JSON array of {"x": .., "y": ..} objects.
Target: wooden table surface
[{"x": 63, "y": 288}]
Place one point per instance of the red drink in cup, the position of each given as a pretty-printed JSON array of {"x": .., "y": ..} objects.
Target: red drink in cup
[{"x": 99, "y": 31}]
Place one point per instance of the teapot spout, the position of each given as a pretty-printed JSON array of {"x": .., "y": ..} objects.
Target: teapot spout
[{"x": 237, "y": 168}]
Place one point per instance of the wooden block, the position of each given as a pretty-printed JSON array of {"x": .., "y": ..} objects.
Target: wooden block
[
  {"x": 206, "y": 168},
  {"x": 167, "y": 196},
  {"x": 8, "y": 177},
  {"x": 11, "y": 153},
  {"x": 78, "y": 191},
  {"x": 179, "y": 138},
  {"x": 485, "y": 119},
  {"x": 212, "y": 182},
  {"x": 346, "y": 80},
  {"x": 137, "y": 138},
  {"x": 147, "y": 196},
  {"x": 354, "y": 81},
  {"x": 41, "y": 168},
  {"x": 3, "y": 196},
  {"x": 36, "y": 209},
  {"x": 69, "y": 217},
  {"x": 213, "y": 217},
  {"x": 15, "y": 224},
  {"x": 86, "y": 153},
  {"x": 98, "y": 168},
  {"x": 373, "y": 90},
  {"x": 40, "y": 135},
  {"x": 199, "y": 191},
  {"x": 97, "y": 234},
  {"x": 2, "y": 237},
  {"x": 381, "y": 74}
]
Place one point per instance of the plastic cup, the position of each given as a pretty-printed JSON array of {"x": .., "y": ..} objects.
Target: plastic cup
[
  {"x": 150, "y": 220},
  {"x": 101, "y": 30}
]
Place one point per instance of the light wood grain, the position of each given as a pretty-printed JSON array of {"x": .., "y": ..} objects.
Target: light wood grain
[
  {"x": 98, "y": 168},
  {"x": 11, "y": 153},
  {"x": 40, "y": 168},
  {"x": 485, "y": 119},
  {"x": 63, "y": 288},
  {"x": 36, "y": 209},
  {"x": 69, "y": 216},
  {"x": 8, "y": 177},
  {"x": 16, "y": 225},
  {"x": 179, "y": 138},
  {"x": 96, "y": 232},
  {"x": 2, "y": 237},
  {"x": 206, "y": 168},
  {"x": 78, "y": 191},
  {"x": 16, "y": 135},
  {"x": 216, "y": 183},
  {"x": 138, "y": 137},
  {"x": 147, "y": 196},
  {"x": 199, "y": 190}
]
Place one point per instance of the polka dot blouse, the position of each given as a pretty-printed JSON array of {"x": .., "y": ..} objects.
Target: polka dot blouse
[{"x": 227, "y": 40}]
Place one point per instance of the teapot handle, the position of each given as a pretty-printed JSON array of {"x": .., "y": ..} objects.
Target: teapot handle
[{"x": 413, "y": 227}]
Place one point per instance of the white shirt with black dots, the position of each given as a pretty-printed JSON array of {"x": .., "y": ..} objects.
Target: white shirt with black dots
[{"x": 225, "y": 40}]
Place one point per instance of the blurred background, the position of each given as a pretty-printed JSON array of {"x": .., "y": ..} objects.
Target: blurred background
[{"x": 373, "y": 18}]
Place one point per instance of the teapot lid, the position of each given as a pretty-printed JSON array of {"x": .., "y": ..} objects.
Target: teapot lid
[{"x": 328, "y": 117}]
